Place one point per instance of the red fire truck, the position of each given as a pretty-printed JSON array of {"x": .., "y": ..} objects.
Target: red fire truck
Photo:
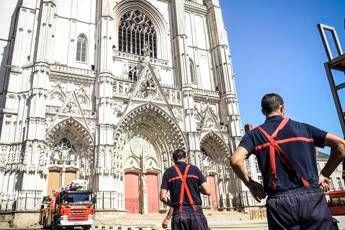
[
  {"x": 73, "y": 206},
  {"x": 336, "y": 202}
]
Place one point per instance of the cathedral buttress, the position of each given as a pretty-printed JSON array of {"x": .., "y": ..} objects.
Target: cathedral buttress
[{"x": 182, "y": 71}]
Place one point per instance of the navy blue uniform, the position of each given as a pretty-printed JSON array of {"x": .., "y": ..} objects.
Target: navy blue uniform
[
  {"x": 186, "y": 217},
  {"x": 290, "y": 205}
]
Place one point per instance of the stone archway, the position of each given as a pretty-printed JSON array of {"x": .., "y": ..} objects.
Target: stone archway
[
  {"x": 144, "y": 141},
  {"x": 70, "y": 153},
  {"x": 215, "y": 155},
  {"x": 142, "y": 167}
]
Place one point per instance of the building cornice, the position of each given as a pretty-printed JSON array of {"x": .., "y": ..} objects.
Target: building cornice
[{"x": 195, "y": 7}]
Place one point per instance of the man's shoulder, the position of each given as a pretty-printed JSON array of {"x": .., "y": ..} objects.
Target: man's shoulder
[
  {"x": 194, "y": 167},
  {"x": 169, "y": 170},
  {"x": 253, "y": 131},
  {"x": 298, "y": 124}
]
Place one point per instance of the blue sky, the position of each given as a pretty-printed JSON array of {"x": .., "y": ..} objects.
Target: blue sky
[{"x": 276, "y": 47}]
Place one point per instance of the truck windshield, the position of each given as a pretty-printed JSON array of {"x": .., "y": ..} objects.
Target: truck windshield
[{"x": 76, "y": 198}]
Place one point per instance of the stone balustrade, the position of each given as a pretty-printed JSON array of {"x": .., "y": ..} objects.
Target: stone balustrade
[
  {"x": 72, "y": 70},
  {"x": 208, "y": 93},
  {"x": 107, "y": 200},
  {"x": 28, "y": 200},
  {"x": 139, "y": 58},
  {"x": 195, "y": 6}
]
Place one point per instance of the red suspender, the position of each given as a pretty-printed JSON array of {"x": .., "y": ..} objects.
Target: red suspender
[
  {"x": 177, "y": 178},
  {"x": 184, "y": 187},
  {"x": 274, "y": 149}
]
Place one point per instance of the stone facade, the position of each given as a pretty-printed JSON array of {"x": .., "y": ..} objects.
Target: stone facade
[{"x": 105, "y": 90}]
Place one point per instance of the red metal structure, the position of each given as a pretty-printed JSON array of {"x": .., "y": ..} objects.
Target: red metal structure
[{"x": 336, "y": 202}]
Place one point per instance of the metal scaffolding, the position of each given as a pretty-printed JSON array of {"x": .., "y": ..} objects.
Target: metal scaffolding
[{"x": 336, "y": 62}]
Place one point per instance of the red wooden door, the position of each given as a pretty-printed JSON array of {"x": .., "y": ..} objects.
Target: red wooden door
[
  {"x": 132, "y": 192},
  {"x": 152, "y": 193},
  {"x": 212, "y": 185}
]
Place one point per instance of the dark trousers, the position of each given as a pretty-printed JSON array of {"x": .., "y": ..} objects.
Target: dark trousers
[
  {"x": 302, "y": 208},
  {"x": 188, "y": 219}
]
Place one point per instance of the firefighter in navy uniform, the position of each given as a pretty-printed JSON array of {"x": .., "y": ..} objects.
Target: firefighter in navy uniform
[
  {"x": 285, "y": 151},
  {"x": 184, "y": 183}
]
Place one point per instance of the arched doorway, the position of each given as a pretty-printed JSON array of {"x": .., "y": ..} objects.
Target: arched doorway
[
  {"x": 70, "y": 156},
  {"x": 142, "y": 170},
  {"x": 214, "y": 158},
  {"x": 145, "y": 139}
]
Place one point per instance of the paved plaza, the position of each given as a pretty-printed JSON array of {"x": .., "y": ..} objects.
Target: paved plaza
[
  {"x": 228, "y": 220},
  {"x": 216, "y": 220}
]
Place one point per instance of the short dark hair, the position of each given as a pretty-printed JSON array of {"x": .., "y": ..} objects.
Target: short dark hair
[
  {"x": 179, "y": 154},
  {"x": 271, "y": 102}
]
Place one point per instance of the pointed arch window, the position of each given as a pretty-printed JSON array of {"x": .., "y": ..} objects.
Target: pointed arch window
[
  {"x": 81, "y": 48},
  {"x": 192, "y": 71},
  {"x": 137, "y": 33},
  {"x": 133, "y": 73}
]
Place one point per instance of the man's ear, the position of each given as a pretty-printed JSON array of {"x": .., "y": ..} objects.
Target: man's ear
[
  {"x": 282, "y": 109},
  {"x": 262, "y": 111}
]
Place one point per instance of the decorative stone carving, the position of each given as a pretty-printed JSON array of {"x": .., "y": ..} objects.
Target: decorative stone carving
[
  {"x": 71, "y": 108},
  {"x": 152, "y": 124},
  {"x": 70, "y": 144},
  {"x": 147, "y": 87},
  {"x": 206, "y": 119},
  {"x": 140, "y": 154},
  {"x": 214, "y": 146},
  {"x": 178, "y": 112},
  {"x": 64, "y": 153}
]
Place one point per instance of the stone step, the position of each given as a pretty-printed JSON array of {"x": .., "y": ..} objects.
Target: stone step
[
  {"x": 5, "y": 217},
  {"x": 153, "y": 221}
]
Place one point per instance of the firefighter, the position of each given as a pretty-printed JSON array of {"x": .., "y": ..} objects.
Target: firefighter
[
  {"x": 184, "y": 183},
  {"x": 285, "y": 151}
]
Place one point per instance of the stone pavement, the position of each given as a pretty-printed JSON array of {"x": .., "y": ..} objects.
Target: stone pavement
[
  {"x": 217, "y": 220},
  {"x": 111, "y": 221},
  {"x": 341, "y": 222}
]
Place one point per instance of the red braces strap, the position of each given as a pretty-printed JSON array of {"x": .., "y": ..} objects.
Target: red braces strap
[
  {"x": 274, "y": 149},
  {"x": 184, "y": 187}
]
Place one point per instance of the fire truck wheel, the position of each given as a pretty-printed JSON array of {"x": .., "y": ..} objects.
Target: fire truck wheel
[{"x": 86, "y": 227}]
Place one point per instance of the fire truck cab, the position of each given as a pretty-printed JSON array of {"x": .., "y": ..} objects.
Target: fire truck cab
[{"x": 73, "y": 206}]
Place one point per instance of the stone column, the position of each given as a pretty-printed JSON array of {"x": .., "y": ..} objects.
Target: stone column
[
  {"x": 144, "y": 207},
  {"x": 223, "y": 71},
  {"x": 181, "y": 71},
  {"x": 225, "y": 78},
  {"x": 107, "y": 174},
  {"x": 35, "y": 123}
]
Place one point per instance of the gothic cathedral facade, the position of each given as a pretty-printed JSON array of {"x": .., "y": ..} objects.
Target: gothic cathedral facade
[{"x": 105, "y": 90}]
